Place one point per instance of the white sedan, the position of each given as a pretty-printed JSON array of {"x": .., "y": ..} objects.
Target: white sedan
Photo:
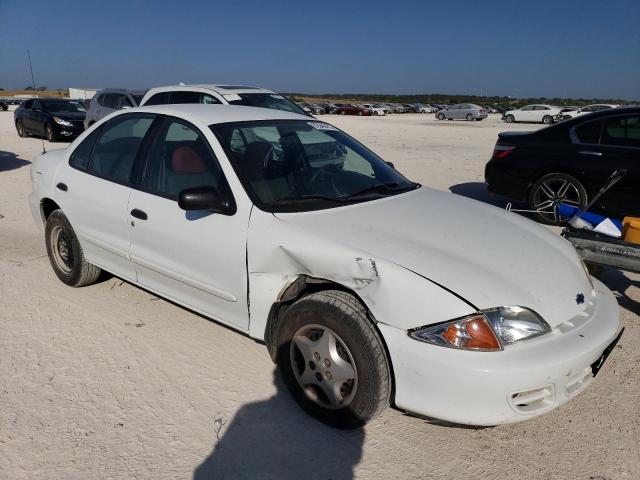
[
  {"x": 367, "y": 289},
  {"x": 596, "y": 107},
  {"x": 375, "y": 109},
  {"x": 533, "y": 114}
]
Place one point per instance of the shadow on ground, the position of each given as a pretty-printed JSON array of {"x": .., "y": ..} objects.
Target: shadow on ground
[
  {"x": 275, "y": 439},
  {"x": 619, "y": 282},
  {"x": 10, "y": 161}
]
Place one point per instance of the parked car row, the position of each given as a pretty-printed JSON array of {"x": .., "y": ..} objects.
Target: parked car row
[{"x": 549, "y": 114}]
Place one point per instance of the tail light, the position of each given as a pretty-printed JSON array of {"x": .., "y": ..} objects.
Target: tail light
[{"x": 501, "y": 151}]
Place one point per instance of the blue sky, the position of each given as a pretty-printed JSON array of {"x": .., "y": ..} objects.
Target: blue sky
[{"x": 577, "y": 48}]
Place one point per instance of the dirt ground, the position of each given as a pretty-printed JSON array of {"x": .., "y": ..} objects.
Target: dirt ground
[{"x": 110, "y": 381}]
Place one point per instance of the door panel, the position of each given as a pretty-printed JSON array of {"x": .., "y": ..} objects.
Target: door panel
[
  {"x": 97, "y": 211},
  {"x": 197, "y": 258}
]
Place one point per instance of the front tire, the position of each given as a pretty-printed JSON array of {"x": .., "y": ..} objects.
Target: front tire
[
  {"x": 65, "y": 253},
  {"x": 469, "y": 117},
  {"x": 332, "y": 359},
  {"x": 550, "y": 191},
  {"x": 509, "y": 119},
  {"x": 547, "y": 119},
  {"x": 48, "y": 133},
  {"x": 440, "y": 116},
  {"x": 20, "y": 129}
]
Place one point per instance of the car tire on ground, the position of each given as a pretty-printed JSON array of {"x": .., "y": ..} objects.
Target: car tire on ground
[
  {"x": 547, "y": 119},
  {"x": 20, "y": 129},
  {"x": 469, "y": 117},
  {"x": 509, "y": 119},
  {"x": 551, "y": 190},
  {"x": 440, "y": 116},
  {"x": 342, "y": 112},
  {"x": 65, "y": 252},
  {"x": 48, "y": 132},
  {"x": 332, "y": 359}
]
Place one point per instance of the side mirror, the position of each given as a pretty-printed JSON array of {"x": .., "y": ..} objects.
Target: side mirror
[
  {"x": 205, "y": 198},
  {"x": 391, "y": 165}
]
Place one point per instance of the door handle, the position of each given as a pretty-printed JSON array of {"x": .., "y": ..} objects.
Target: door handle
[
  {"x": 139, "y": 214},
  {"x": 590, "y": 152},
  {"x": 62, "y": 186}
]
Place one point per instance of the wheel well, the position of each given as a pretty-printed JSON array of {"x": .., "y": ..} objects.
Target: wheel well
[
  {"x": 47, "y": 206},
  {"x": 305, "y": 285}
]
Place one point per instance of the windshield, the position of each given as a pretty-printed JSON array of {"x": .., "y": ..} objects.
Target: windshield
[
  {"x": 61, "y": 106},
  {"x": 292, "y": 166},
  {"x": 267, "y": 100}
]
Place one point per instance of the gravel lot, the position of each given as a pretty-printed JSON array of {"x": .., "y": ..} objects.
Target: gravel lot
[{"x": 110, "y": 381}]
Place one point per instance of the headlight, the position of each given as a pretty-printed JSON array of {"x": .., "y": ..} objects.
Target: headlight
[
  {"x": 488, "y": 330},
  {"x": 513, "y": 324},
  {"x": 61, "y": 121}
]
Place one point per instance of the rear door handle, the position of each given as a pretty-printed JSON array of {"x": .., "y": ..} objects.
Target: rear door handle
[
  {"x": 590, "y": 152},
  {"x": 139, "y": 214},
  {"x": 62, "y": 186}
]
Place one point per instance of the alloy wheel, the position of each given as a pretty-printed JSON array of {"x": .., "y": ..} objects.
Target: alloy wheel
[
  {"x": 553, "y": 191},
  {"x": 323, "y": 366}
]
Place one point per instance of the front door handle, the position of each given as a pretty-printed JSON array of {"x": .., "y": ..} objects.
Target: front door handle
[
  {"x": 590, "y": 152},
  {"x": 139, "y": 214},
  {"x": 62, "y": 186}
]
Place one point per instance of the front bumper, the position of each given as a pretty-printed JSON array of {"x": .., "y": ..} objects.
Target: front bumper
[{"x": 490, "y": 388}]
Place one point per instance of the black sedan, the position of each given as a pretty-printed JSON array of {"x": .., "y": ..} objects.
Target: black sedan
[
  {"x": 569, "y": 162},
  {"x": 52, "y": 118}
]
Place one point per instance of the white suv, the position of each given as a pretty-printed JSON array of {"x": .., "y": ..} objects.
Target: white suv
[{"x": 220, "y": 94}]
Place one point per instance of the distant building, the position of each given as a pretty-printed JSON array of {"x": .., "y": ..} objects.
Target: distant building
[{"x": 82, "y": 93}]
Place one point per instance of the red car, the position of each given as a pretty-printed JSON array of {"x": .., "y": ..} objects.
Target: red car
[{"x": 354, "y": 110}]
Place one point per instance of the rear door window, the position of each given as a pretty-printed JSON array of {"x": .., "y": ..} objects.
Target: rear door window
[
  {"x": 184, "y": 97},
  {"x": 161, "y": 98},
  {"x": 589, "y": 132},
  {"x": 115, "y": 152}
]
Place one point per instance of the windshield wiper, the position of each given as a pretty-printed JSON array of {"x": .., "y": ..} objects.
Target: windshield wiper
[
  {"x": 381, "y": 188},
  {"x": 311, "y": 197}
]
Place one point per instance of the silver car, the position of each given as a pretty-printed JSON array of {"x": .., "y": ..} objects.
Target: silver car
[
  {"x": 109, "y": 100},
  {"x": 463, "y": 111}
]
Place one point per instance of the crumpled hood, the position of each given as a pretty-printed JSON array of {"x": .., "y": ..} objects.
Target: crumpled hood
[{"x": 486, "y": 255}]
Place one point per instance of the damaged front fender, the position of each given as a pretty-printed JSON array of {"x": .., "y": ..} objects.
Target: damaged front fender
[{"x": 280, "y": 254}]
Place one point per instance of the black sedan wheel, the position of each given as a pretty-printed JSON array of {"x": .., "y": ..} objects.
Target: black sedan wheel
[
  {"x": 20, "y": 129},
  {"x": 48, "y": 132},
  {"x": 550, "y": 191}
]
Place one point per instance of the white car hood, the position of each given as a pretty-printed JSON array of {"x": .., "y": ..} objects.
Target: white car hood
[{"x": 485, "y": 255}]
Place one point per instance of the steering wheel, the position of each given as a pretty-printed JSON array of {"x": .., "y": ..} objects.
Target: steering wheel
[{"x": 324, "y": 171}]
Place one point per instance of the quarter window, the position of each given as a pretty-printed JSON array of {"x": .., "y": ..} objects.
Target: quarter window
[
  {"x": 115, "y": 152},
  {"x": 82, "y": 154},
  {"x": 180, "y": 159},
  {"x": 622, "y": 131}
]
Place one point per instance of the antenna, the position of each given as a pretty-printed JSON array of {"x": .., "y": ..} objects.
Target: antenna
[{"x": 33, "y": 85}]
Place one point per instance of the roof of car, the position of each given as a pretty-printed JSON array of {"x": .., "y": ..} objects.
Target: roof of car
[
  {"x": 121, "y": 90},
  {"x": 213, "y": 114},
  {"x": 221, "y": 89}
]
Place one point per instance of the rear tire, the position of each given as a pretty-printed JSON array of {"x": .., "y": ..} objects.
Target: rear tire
[
  {"x": 551, "y": 190},
  {"x": 356, "y": 354},
  {"x": 65, "y": 253}
]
